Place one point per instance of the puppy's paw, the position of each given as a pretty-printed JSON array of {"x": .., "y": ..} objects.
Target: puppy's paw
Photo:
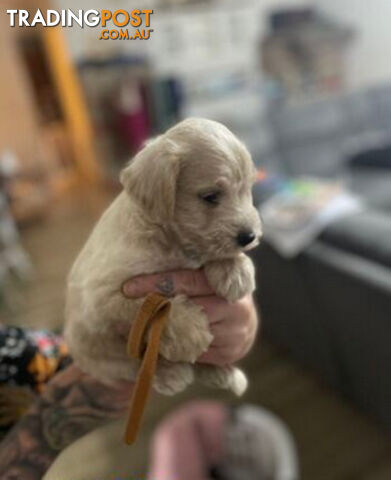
[
  {"x": 228, "y": 378},
  {"x": 172, "y": 378},
  {"x": 238, "y": 381},
  {"x": 186, "y": 335},
  {"x": 232, "y": 279}
]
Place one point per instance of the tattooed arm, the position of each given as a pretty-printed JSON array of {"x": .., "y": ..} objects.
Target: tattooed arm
[{"x": 72, "y": 405}]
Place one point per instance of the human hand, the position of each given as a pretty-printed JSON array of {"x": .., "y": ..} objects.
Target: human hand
[{"x": 233, "y": 325}]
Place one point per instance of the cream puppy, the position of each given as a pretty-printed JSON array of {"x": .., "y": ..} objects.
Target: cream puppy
[{"x": 186, "y": 204}]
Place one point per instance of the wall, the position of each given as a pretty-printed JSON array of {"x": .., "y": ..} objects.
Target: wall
[
  {"x": 84, "y": 41},
  {"x": 368, "y": 62},
  {"x": 18, "y": 115}
]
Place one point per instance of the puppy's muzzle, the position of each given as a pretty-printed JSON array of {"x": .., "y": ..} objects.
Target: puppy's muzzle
[{"x": 245, "y": 237}]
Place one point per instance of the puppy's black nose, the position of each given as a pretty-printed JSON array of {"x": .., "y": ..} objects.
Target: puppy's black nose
[{"x": 245, "y": 237}]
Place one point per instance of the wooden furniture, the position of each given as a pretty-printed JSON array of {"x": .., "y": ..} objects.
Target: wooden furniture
[{"x": 44, "y": 119}]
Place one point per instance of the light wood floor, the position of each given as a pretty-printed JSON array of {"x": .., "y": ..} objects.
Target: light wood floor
[{"x": 335, "y": 441}]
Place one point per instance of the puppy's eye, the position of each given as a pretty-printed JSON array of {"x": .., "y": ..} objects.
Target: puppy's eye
[{"x": 213, "y": 198}]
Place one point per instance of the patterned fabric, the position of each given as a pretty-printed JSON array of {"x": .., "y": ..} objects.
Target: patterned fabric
[{"x": 30, "y": 358}]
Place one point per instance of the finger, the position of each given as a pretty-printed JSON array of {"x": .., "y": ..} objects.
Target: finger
[
  {"x": 222, "y": 355},
  {"x": 187, "y": 282},
  {"x": 214, "y": 307},
  {"x": 216, "y": 356},
  {"x": 210, "y": 356},
  {"x": 235, "y": 321},
  {"x": 233, "y": 334},
  {"x": 225, "y": 338}
]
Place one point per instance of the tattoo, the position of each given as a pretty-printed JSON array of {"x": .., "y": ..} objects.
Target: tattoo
[
  {"x": 72, "y": 405},
  {"x": 166, "y": 286}
]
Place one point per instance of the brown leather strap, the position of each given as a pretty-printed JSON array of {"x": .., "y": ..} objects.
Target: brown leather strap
[{"x": 151, "y": 317}]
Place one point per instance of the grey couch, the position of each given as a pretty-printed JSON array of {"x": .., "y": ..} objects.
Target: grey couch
[
  {"x": 331, "y": 306},
  {"x": 316, "y": 138}
]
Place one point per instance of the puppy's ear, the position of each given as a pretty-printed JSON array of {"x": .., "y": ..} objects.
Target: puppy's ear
[{"x": 151, "y": 177}]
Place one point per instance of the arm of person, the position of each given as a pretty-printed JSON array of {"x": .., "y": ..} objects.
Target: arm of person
[
  {"x": 233, "y": 325},
  {"x": 73, "y": 404}
]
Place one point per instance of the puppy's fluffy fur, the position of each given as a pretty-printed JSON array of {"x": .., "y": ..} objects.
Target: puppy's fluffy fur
[{"x": 186, "y": 197}]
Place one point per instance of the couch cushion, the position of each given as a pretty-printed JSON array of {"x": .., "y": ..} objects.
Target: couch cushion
[
  {"x": 373, "y": 185},
  {"x": 376, "y": 157},
  {"x": 367, "y": 234}
]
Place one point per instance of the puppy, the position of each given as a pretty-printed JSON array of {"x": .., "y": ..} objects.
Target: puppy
[{"x": 186, "y": 204}]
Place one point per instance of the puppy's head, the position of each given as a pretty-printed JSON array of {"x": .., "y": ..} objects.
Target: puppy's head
[{"x": 197, "y": 178}]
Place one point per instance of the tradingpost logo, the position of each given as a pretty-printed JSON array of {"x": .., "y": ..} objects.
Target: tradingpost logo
[{"x": 116, "y": 25}]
